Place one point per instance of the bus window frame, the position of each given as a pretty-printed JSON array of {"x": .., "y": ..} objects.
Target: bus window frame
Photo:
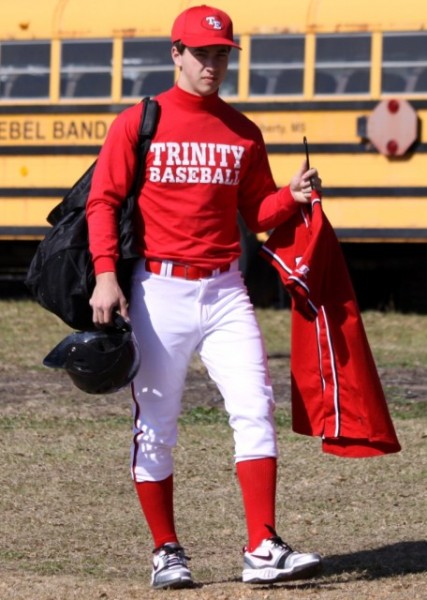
[
  {"x": 241, "y": 69},
  {"x": 277, "y": 68},
  {"x": 10, "y": 74},
  {"x": 143, "y": 71},
  {"x": 346, "y": 69},
  {"x": 409, "y": 71},
  {"x": 73, "y": 74}
]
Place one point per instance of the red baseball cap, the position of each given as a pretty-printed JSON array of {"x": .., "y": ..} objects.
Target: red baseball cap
[{"x": 203, "y": 26}]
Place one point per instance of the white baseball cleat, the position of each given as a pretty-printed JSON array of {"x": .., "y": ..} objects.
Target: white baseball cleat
[
  {"x": 170, "y": 568},
  {"x": 273, "y": 560}
]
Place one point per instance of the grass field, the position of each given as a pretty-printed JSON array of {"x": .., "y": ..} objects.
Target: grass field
[{"x": 71, "y": 526}]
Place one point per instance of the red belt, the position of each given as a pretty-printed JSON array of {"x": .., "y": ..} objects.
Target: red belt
[{"x": 183, "y": 271}]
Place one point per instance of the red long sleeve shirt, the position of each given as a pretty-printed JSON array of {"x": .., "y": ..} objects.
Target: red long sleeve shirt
[{"x": 206, "y": 162}]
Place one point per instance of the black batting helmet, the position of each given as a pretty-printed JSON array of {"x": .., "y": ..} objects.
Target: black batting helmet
[{"x": 98, "y": 362}]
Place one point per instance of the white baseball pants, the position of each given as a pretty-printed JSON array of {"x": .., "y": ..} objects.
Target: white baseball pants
[{"x": 172, "y": 318}]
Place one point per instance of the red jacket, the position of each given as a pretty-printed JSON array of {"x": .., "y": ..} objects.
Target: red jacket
[{"x": 336, "y": 390}]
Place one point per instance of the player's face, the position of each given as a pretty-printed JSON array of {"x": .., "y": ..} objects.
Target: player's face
[{"x": 201, "y": 70}]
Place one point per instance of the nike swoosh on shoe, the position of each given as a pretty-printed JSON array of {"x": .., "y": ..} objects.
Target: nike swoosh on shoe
[{"x": 266, "y": 556}]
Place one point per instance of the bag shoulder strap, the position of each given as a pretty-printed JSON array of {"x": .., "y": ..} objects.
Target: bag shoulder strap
[
  {"x": 147, "y": 127},
  {"x": 149, "y": 117}
]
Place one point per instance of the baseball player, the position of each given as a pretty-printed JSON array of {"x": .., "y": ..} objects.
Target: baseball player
[{"x": 207, "y": 162}]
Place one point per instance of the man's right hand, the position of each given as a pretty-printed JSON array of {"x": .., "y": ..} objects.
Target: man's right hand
[{"x": 107, "y": 297}]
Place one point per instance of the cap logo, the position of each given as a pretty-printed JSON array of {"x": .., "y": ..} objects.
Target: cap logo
[{"x": 212, "y": 23}]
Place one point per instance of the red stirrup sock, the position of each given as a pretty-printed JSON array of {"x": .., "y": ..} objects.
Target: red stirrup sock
[
  {"x": 257, "y": 480},
  {"x": 156, "y": 499}
]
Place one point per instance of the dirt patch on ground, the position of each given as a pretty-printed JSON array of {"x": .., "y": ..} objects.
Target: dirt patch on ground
[{"x": 46, "y": 389}]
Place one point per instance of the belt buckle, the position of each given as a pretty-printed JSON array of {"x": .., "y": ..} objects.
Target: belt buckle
[{"x": 182, "y": 270}]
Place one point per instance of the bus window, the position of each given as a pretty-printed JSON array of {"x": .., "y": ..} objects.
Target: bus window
[
  {"x": 86, "y": 69},
  {"x": 229, "y": 85},
  {"x": 147, "y": 67},
  {"x": 404, "y": 62},
  {"x": 277, "y": 65},
  {"x": 24, "y": 69},
  {"x": 342, "y": 64}
]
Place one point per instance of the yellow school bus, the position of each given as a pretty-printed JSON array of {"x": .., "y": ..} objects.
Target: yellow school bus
[{"x": 350, "y": 76}]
